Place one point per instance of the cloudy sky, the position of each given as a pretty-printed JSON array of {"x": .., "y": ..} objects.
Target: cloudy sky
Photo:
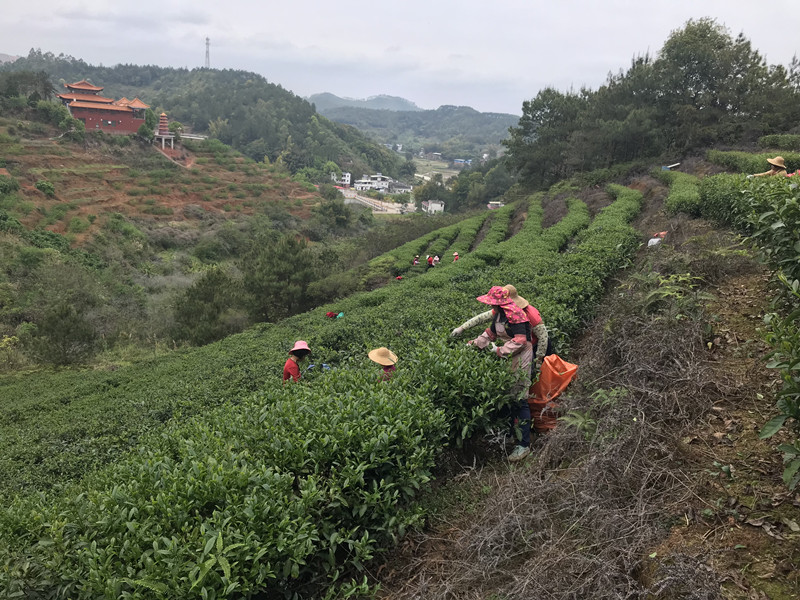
[{"x": 490, "y": 55}]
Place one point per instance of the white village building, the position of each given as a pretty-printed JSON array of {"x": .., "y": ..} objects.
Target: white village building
[
  {"x": 376, "y": 182},
  {"x": 344, "y": 181},
  {"x": 432, "y": 206}
]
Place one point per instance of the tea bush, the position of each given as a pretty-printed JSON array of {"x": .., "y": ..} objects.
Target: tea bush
[
  {"x": 744, "y": 162},
  {"x": 255, "y": 488},
  {"x": 780, "y": 142},
  {"x": 466, "y": 236},
  {"x": 46, "y": 187},
  {"x": 8, "y": 185},
  {"x": 768, "y": 210},
  {"x": 684, "y": 194},
  {"x": 283, "y": 494},
  {"x": 719, "y": 195}
]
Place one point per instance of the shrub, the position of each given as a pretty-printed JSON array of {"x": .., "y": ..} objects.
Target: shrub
[
  {"x": 780, "y": 142},
  {"x": 77, "y": 225},
  {"x": 719, "y": 196},
  {"x": 47, "y": 188},
  {"x": 8, "y": 185}
]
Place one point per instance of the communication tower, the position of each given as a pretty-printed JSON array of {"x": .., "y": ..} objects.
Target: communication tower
[{"x": 208, "y": 55}]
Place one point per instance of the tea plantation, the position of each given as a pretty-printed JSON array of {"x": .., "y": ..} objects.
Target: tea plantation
[{"x": 201, "y": 475}]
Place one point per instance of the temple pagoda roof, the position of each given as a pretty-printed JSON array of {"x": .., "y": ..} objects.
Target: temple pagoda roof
[
  {"x": 83, "y": 85},
  {"x": 136, "y": 103},
  {"x": 99, "y": 106},
  {"x": 86, "y": 98},
  {"x": 123, "y": 101}
]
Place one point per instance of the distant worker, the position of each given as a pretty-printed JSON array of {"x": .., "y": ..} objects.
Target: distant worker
[
  {"x": 510, "y": 325},
  {"x": 415, "y": 262},
  {"x": 778, "y": 167},
  {"x": 435, "y": 260},
  {"x": 455, "y": 256},
  {"x": 429, "y": 258},
  {"x": 387, "y": 359},
  {"x": 298, "y": 352}
]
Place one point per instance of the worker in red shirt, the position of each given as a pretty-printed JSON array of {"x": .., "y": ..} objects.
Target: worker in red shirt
[
  {"x": 429, "y": 258},
  {"x": 298, "y": 352},
  {"x": 455, "y": 256}
]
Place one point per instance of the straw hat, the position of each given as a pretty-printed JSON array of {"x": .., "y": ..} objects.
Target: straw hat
[
  {"x": 383, "y": 356},
  {"x": 777, "y": 162},
  {"x": 300, "y": 345},
  {"x": 455, "y": 253},
  {"x": 516, "y": 298}
]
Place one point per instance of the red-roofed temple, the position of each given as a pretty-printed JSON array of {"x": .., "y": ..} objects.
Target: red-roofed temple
[{"x": 99, "y": 113}]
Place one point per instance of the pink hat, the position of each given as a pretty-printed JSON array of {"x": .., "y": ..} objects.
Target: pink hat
[
  {"x": 300, "y": 345},
  {"x": 498, "y": 296}
]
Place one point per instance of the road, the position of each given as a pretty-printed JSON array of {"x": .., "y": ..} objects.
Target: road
[{"x": 377, "y": 206}]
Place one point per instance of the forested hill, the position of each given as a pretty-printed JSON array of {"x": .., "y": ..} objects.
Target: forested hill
[
  {"x": 703, "y": 89},
  {"x": 455, "y": 131},
  {"x": 327, "y": 101},
  {"x": 240, "y": 108}
]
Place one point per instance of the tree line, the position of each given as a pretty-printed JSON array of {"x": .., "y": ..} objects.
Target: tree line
[{"x": 704, "y": 88}]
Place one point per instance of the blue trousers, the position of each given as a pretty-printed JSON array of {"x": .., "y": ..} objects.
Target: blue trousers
[{"x": 522, "y": 424}]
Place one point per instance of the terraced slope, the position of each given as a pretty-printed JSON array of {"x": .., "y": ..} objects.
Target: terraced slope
[{"x": 270, "y": 488}]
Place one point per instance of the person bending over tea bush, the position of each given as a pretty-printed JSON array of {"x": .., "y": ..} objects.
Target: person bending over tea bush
[
  {"x": 387, "y": 359},
  {"x": 511, "y": 325},
  {"x": 542, "y": 343}
]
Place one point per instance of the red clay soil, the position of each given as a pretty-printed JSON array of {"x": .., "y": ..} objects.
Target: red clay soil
[{"x": 93, "y": 183}]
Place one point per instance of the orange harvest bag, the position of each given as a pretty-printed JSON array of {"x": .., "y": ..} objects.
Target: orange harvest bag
[{"x": 554, "y": 377}]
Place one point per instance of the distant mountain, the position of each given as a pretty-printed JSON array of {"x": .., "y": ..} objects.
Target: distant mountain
[
  {"x": 4, "y": 58},
  {"x": 455, "y": 131},
  {"x": 326, "y": 101}
]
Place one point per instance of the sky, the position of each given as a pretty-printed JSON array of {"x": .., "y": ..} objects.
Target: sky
[{"x": 490, "y": 55}]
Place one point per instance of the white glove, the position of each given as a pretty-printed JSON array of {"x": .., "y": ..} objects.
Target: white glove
[
  {"x": 456, "y": 332},
  {"x": 494, "y": 348}
]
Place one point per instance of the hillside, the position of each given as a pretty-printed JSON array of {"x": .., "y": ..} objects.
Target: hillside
[
  {"x": 239, "y": 108},
  {"x": 632, "y": 462},
  {"x": 455, "y": 131},
  {"x": 149, "y": 250},
  {"x": 188, "y": 467},
  {"x": 326, "y": 101}
]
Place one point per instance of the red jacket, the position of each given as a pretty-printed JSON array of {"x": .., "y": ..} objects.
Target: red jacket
[
  {"x": 290, "y": 369},
  {"x": 533, "y": 315}
]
